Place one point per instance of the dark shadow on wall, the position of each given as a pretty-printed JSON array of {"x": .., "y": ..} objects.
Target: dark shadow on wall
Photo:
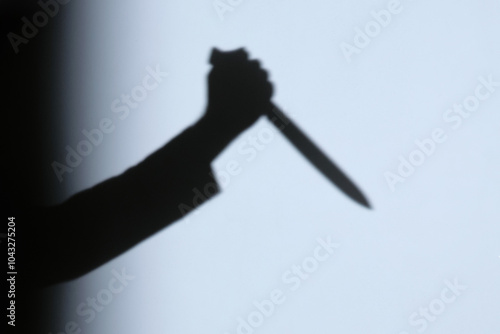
[
  {"x": 63, "y": 242},
  {"x": 66, "y": 241}
]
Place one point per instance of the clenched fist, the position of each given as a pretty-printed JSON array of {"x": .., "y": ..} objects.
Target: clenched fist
[{"x": 238, "y": 90}]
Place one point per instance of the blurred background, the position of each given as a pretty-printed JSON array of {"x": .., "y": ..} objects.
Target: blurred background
[{"x": 365, "y": 108}]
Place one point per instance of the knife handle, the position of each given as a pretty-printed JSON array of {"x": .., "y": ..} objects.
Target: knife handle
[
  {"x": 278, "y": 117},
  {"x": 217, "y": 56}
]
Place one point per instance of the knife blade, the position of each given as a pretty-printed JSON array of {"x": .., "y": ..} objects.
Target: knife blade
[
  {"x": 301, "y": 142},
  {"x": 315, "y": 156}
]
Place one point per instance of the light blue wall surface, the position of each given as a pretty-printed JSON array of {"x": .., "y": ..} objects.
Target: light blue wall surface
[{"x": 438, "y": 226}]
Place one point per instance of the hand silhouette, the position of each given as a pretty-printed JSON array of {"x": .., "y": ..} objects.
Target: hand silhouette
[{"x": 238, "y": 90}]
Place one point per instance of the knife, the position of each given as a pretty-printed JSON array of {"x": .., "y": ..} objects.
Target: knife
[
  {"x": 315, "y": 156},
  {"x": 302, "y": 143}
]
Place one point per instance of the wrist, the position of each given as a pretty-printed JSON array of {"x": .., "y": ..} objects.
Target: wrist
[
  {"x": 222, "y": 122},
  {"x": 214, "y": 133}
]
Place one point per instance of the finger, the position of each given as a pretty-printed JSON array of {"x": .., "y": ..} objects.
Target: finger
[
  {"x": 264, "y": 74},
  {"x": 239, "y": 55},
  {"x": 254, "y": 64},
  {"x": 242, "y": 53}
]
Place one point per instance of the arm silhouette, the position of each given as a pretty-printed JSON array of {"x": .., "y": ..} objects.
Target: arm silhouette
[{"x": 102, "y": 222}]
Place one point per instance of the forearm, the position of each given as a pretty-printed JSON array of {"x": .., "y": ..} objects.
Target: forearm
[
  {"x": 102, "y": 222},
  {"x": 213, "y": 134}
]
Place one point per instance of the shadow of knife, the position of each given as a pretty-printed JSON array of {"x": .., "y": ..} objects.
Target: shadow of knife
[{"x": 315, "y": 156}]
